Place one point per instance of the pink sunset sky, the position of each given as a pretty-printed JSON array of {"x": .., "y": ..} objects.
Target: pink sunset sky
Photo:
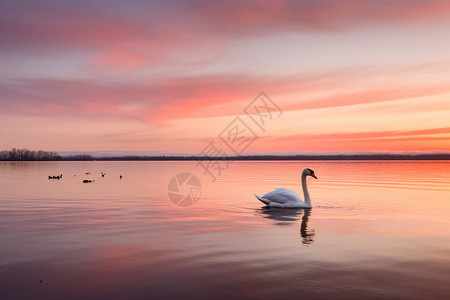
[{"x": 171, "y": 75}]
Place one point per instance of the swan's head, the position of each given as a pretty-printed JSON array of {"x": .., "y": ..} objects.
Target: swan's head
[{"x": 309, "y": 172}]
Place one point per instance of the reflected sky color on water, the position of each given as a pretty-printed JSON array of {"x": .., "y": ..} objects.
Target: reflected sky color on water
[{"x": 377, "y": 230}]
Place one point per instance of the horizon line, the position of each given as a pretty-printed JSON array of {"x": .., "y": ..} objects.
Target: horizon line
[{"x": 124, "y": 153}]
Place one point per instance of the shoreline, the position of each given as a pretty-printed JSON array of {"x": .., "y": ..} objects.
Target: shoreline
[{"x": 378, "y": 157}]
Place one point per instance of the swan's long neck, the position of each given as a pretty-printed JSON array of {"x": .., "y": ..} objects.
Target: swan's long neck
[{"x": 305, "y": 190}]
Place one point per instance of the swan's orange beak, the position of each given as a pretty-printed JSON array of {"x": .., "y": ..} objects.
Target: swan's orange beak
[{"x": 314, "y": 175}]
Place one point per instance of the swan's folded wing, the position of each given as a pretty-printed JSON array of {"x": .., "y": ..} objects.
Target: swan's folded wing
[{"x": 282, "y": 195}]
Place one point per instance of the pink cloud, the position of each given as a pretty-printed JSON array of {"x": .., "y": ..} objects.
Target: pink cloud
[
  {"x": 395, "y": 140},
  {"x": 371, "y": 134},
  {"x": 260, "y": 16},
  {"x": 386, "y": 93},
  {"x": 117, "y": 61},
  {"x": 159, "y": 100},
  {"x": 128, "y": 37}
]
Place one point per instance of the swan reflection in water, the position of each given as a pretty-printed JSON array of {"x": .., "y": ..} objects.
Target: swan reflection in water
[
  {"x": 307, "y": 234},
  {"x": 288, "y": 217}
]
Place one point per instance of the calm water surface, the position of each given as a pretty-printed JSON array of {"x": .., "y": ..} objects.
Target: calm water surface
[{"x": 378, "y": 230}]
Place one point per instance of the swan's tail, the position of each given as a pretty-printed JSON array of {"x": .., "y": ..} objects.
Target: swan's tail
[{"x": 265, "y": 201}]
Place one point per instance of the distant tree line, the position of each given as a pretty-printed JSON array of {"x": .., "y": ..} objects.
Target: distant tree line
[
  {"x": 78, "y": 157},
  {"x": 306, "y": 157},
  {"x": 23, "y": 154},
  {"x": 30, "y": 155}
]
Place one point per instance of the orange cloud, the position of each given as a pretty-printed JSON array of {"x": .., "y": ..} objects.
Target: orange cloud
[
  {"x": 160, "y": 100},
  {"x": 417, "y": 140}
]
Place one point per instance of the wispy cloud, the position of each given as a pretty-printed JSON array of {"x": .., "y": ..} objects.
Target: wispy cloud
[
  {"x": 394, "y": 140},
  {"x": 134, "y": 35},
  {"x": 200, "y": 96},
  {"x": 182, "y": 65}
]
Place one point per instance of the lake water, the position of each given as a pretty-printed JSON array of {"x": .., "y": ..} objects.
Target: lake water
[{"x": 378, "y": 230}]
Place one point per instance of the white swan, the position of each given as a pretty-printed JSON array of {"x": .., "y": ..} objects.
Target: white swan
[{"x": 285, "y": 198}]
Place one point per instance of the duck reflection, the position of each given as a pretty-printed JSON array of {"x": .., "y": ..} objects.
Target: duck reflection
[{"x": 288, "y": 217}]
